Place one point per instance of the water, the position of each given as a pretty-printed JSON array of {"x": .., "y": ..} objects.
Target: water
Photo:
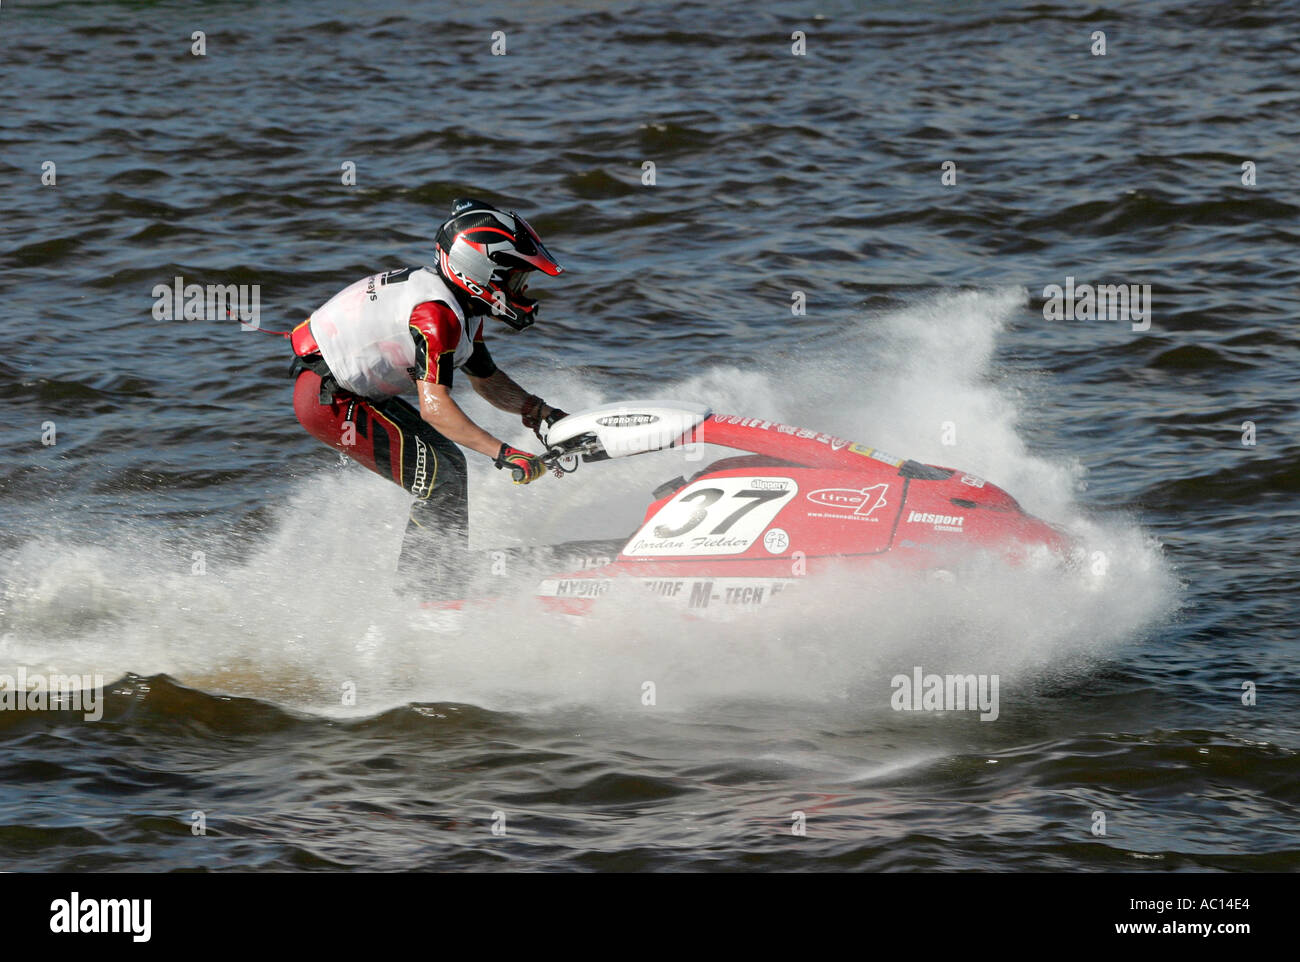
[{"x": 1121, "y": 693}]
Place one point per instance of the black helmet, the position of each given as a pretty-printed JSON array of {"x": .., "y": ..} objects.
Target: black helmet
[{"x": 487, "y": 254}]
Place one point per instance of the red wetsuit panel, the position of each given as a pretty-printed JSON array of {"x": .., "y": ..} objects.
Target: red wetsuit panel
[
  {"x": 303, "y": 340},
  {"x": 436, "y": 331},
  {"x": 375, "y": 441}
]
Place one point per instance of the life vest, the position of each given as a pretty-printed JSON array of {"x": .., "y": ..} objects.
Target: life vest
[{"x": 363, "y": 332}]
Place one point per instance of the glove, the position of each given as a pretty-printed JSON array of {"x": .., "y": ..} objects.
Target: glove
[
  {"x": 524, "y": 467},
  {"x": 532, "y": 416}
]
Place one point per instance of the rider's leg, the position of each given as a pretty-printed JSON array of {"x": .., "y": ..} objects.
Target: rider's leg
[
  {"x": 436, "y": 545},
  {"x": 390, "y": 438}
]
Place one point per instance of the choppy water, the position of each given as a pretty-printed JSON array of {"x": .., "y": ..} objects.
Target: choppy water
[{"x": 1120, "y": 694}]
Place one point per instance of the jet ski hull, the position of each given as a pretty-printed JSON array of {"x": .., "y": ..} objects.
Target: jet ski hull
[{"x": 795, "y": 504}]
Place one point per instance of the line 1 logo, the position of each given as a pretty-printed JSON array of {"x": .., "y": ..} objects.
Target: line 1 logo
[{"x": 859, "y": 502}]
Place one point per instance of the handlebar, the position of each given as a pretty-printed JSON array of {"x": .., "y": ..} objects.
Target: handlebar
[
  {"x": 586, "y": 445},
  {"x": 551, "y": 460}
]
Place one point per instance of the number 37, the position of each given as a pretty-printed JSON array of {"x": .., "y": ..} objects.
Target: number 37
[{"x": 707, "y": 497}]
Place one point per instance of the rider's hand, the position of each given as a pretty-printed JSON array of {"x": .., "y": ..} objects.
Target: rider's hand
[
  {"x": 533, "y": 417},
  {"x": 524, "y": 467},
  {"x": 554, "y": 415}
]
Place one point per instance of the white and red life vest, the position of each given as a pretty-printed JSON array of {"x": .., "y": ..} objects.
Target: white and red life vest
[{"x": 364, "y": 331}]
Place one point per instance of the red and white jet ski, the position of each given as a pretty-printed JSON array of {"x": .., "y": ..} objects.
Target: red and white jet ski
[{"x": 790, "y": 503}]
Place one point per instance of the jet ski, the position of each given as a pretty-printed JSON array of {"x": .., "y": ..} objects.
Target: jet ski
[{"x": 785, "y": 504}]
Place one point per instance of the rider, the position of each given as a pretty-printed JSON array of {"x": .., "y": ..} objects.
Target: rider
[{"x": 370, "y": 341}]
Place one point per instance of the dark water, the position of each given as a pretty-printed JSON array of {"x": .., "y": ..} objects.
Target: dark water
[{"x": 1121, "y": 691}]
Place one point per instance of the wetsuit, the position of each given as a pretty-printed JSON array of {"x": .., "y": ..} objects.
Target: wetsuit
[{"x": 354, "y": 356}]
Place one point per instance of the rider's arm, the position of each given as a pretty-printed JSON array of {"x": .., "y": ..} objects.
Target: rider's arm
[
  {"x": 496, "y": 386},
  {"x": 436, "y": 330},
  {"x": 500, "y": 390},
  {"x": 438, "y": 408}
]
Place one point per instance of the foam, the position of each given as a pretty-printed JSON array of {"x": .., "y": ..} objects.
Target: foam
[{"x": 263, "y": 622}]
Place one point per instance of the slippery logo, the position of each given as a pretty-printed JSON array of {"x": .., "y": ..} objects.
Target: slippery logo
[{"x": 861, "y": 502}]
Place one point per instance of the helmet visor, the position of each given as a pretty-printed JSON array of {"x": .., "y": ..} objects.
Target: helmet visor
[{"x": 529, "y": 248}]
